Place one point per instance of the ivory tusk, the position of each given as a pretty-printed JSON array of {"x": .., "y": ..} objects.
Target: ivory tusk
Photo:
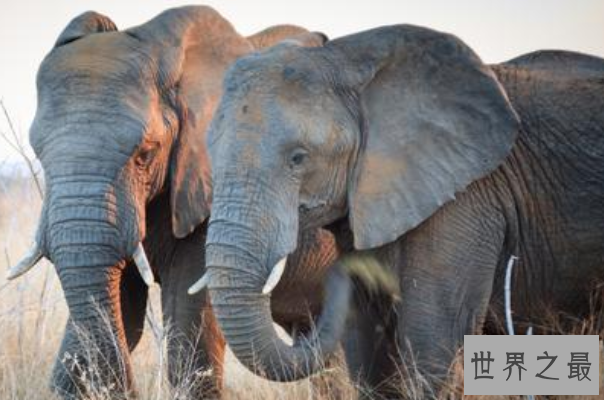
[
  {"x": 142, "y": 263},
  {"x": 200, "y": 284},
  {"x": 275, "y": 276},
  {"x": 32, "y": 257}
]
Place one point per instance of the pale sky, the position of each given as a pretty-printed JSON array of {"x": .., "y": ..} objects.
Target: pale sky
[{"x": 496, "y": 30}]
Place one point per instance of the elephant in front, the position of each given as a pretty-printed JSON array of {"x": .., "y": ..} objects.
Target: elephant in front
[
  {"x": 120, "y": 132},
  {"x": 420, "y": 157}
]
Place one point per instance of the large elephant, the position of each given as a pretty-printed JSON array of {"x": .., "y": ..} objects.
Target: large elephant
[
  {"x": 423, "y": 159},
  {"x": 120, "y": 131}
]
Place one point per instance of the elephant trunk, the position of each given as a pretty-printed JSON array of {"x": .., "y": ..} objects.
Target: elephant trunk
[
  {"x": 94, "y": 356},
  {"x": 88, "y": 249},
  {"x": 238, "y": 257}
]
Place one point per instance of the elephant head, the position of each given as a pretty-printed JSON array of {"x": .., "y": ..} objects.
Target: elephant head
[
  {"x": 121, "y": 119},
  {"x": 377, "y": 129}
]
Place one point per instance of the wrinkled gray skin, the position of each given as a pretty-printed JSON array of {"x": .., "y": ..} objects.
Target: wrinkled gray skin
[
  {"x": 120, "y": 131},
  {"x": 417, "y": 154}
]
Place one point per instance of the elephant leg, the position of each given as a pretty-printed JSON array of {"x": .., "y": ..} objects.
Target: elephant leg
[
  {"x": 133, "y": 297},
  {"x": 195, "y": 344},
  {"x": 369, "y": 346},
  {"x": 448, "y": 268},
  {"x": 195, "y": 353}
]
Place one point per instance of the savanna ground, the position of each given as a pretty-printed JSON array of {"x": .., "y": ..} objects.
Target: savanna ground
[{"x": 33, "y": 315}]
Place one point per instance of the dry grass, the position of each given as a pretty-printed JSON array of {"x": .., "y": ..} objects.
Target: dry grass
[{"x": 33, "y": 316}]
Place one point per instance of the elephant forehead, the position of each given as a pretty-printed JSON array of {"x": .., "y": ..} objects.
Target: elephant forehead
[
  {"x": 282, "y": 70},
  {"x": 100, "y": 58}
]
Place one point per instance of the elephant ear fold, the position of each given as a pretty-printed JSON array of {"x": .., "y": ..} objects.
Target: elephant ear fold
[
  {"x": 434, "y": 119},
  {"x": 192, "y": 47},
  {"x": 286, "y": 33},
  {"x": 190, "y": 183},
  {"x": 85, "y": 24}
]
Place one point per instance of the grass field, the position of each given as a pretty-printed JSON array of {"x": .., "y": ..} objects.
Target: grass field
[{"x": 33, "y": 315}]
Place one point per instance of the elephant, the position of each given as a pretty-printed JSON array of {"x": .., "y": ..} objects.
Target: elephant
[
  {"x": 418, "y": 156},
  {"x": 120, "y": 132}
]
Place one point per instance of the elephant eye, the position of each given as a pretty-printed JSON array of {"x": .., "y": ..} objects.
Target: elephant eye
[
  {"x": 298, "y": 157},
  {"x": 145, "y": 155}
]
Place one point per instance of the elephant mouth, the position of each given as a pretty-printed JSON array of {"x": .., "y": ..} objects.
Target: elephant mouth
[
  {"x": 306, "y": 208},
  {"x": 315, "y": 215}
]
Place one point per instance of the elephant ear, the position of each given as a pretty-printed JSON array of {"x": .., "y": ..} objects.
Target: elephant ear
[
  {"x": 193, "y": 46},
  {"x": 291, "y": 33},
  {"x": 85, "y": 24},
  {"x": 434, "y": 119}
]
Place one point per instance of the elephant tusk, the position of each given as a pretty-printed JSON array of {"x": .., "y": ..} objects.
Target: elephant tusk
[
  {"x": 28, "y": 262},
  {"x": 142, "y": 263},
  {"x": 200, "y": 284},
  {"x": 275, "y": 276}
]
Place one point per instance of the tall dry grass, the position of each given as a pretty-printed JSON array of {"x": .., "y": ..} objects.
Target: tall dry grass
[{"x": 33, "y": 316}]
